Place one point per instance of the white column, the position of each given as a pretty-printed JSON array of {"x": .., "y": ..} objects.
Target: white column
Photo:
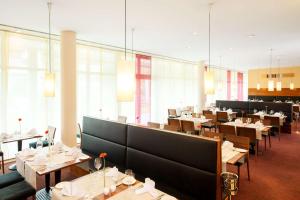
[
  {"x": 202, "y": 96},
  {"x": 68, "y": 88}
]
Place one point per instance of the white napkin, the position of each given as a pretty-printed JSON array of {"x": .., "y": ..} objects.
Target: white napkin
[
  {"x": 149, "y": 186},
  {"x": 229, "y": 111},
  {"x": 70, "y": 189},
  {"x": 39, "y": 159},
  {"x": 238, "y": 121},
  {"x": 32, "y": 131},
  {"x": 227, "y": 145},
  {"x": 277, "y": 114},
  {"x": 113, "y": 172},
  {"x": 27, "y": 152}
]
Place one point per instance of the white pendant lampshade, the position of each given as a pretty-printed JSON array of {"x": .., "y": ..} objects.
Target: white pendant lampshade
[
  {"x": 278, "y": 86},
  {"x": 292, "y": 87},
  {"x": 270, "y": 85},
  {"x": 258, "y": 86},
  {"x": 49, "y": 88},
  {"x": 209, "y": 82},
  {"x": 125, "y": 81}
]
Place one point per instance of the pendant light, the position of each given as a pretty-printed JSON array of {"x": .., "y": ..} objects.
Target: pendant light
[
  {"x": 258, "y": 86},
  {"x": 292, "y": 87},
  {"x": 49, "y": 88},
  {"x": 279, "y": 84},
  {"x": 270, "y": 81},
  {"x": 125, "y": 73},
  {"x": 209, "y": 82}
]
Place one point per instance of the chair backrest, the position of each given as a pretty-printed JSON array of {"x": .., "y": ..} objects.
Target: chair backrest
[
  {"x": 153, "y": 125},
  {"x": 222, "y": 116},
  {"x": 227, "y": 130},
  {"x": 51, "y": 133},
  {"x": 170, "y": 128},
  {"x": 211, "y": 116},
  {"x": 172, "y": 112},
  {"x": 275, "y": 121},
  {"x": 122, "y": 119},
  {"x": 267, "y": 122},
  {"x": 187, "y": 126},
  {"x": 247, "y": 132},
  {"x": 296, "y": 109},
  {"x": 207, "y": 112},
  {"x": 239, "y": 141},
  {"x": 213, "y": 135},
  {"x": 175, "y": 123}
]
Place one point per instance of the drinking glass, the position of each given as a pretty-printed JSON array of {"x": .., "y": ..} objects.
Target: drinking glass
[
  {"x": 130, "y": 174},
  {"x": 97, "y": 163}
]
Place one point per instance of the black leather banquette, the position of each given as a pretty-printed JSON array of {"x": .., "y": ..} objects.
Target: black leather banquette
[{"x": 186, "y": 167}]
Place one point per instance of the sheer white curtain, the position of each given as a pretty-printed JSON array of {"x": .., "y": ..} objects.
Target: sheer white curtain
[
  {"x": 24, "y": 60},
  {"x": 96, "y": 82},
  {"x": 173, "y": 84}
]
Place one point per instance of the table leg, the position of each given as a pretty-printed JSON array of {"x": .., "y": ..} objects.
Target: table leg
[
  {"x": 14, "y": 167},
  {"x": 57, "y": 176},
  {"x": 47, "y": 182}
]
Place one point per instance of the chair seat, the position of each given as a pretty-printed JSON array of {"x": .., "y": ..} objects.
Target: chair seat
[
  {"x": 17, "y": 191},
  {"x": 33, "y": 144},
  {"x": 9, "y": 179}
]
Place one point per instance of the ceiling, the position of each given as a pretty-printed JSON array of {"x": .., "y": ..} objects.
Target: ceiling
[{"x": 176, "y": 28}]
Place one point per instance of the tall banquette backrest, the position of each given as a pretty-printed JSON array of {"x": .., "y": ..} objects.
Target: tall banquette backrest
[
  {"x": 105, "y": 136},
  {"x": 187, "y": 167}
]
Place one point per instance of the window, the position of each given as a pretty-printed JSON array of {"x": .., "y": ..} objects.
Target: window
[{"x": 143, "y": 89}]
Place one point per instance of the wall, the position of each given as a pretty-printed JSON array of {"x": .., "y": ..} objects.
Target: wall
[{"x": 259, "y": 76}]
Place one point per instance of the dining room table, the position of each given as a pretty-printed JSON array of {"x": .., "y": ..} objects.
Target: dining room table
[
  {"x": 32, "y": 163},
  {"x": 116, "y": 187},
  {"x": 19, "y": 138},
  {"x": 262, "y": 114}
]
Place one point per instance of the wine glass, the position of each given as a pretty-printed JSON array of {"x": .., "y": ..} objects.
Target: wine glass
[
  {"x": 97, "y": 163},
  {"x": 129, "y": 173},
  {"x": 39, "y": 144}
]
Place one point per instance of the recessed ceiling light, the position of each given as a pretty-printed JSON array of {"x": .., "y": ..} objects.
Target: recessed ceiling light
[{"x": 251, "y": 35}]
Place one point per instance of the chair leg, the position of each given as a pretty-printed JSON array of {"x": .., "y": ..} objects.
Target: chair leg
[
  {"x": 2, "y": 164},
  {"x": 257, "y": 144},
  {"x": 248, "y": 168},
  {"x": 238, "y": 176},
  {"x": 270, "y": 140},
  {"x": 279, "y": 130},
  {"x": 265, "y": 143}
]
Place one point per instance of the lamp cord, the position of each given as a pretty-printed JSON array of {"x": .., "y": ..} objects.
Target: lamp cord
[{"x": 49, "y": 33}]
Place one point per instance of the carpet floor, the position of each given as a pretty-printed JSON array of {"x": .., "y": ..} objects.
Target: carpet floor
[{"x": 275, "y": 174}]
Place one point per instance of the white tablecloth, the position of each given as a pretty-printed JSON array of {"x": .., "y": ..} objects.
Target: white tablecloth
[
  {"x": 92, "y": 185},
  {"x": 281, "y": 117},
  {"x": 28, "y": 169},
  {"x": 259, "y": 129}
]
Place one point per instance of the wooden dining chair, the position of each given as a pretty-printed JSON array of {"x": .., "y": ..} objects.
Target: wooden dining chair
[
  {"x": 275, "y": 123},
  {"x": 251, "y": 134},
  {"x": 170, "y": 128},
  {"x": 242, "y": 143},
  {"x": 214, "y": 135},
  {"x": 227, "y": 130},
  {"x": 222, "y": 117},
  {"x": 267, "y": 122},
  {"x": 211, "y": 124},
  {"x": 188, "y": 127},
  {"x": 2, "y": 161},
  {"x": 153, "y": 125},
  {"x": 175, "y": 123},
  {"x": 204, "y": 112},
  {"x": 172, "y": 113}
]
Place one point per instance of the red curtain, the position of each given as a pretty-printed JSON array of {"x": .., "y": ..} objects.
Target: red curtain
[
  {"x": 240, "y": 86},
  {"x": 228, "y": 85},
  {"x": 143, "y": 89}
]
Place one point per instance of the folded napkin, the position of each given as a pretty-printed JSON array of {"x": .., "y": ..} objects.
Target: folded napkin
[
  {"x": 40, "y": 159},
  {"x": 238, "y": 121},
  {"x": 227, "y": 145},
  {"x": 27, "y": 152},
  {"x": 112, "y": 172},
  {"x": 149, "y": 186},
  {"x": 70, "y": 189},
  {"x": 32, "y": 131},
  {"x": 277, "y": 114},
  {"x": 229, "y": 110}
]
